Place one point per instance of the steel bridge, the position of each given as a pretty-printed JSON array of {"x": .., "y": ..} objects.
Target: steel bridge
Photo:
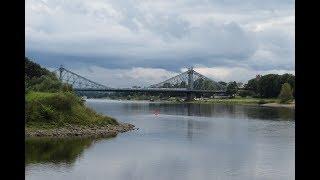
[{"x": 185, "y": 83}]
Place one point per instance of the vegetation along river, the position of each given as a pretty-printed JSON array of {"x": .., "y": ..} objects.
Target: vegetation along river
[{"x": 174, "y": 141}]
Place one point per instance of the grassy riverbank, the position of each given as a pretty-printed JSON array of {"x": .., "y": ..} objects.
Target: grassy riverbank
[
  {"x": 53, "y": 109},
  {"x": 63, "y": 114}
]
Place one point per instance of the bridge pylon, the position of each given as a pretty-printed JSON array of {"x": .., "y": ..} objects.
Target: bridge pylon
[
  {"x": 190, "y": 78},
  {"x": 60, "y": 72}
]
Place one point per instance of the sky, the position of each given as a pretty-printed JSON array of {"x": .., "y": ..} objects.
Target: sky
[{"x": 122, "y": 43}]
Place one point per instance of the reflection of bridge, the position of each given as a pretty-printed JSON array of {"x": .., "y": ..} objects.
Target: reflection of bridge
[{"x": 187, "y": 83}]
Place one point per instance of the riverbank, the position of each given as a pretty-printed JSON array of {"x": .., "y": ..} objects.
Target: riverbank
[
  {"x": 237, "y": 100},
  {"x": 267, "y": 102},
  {"x": 72, "y": 130},
  {"x": 291, "y": 105}
]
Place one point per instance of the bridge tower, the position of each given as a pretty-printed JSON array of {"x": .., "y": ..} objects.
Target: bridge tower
[
  {"x": 60, "y": 72},
  {"x": 190, "y": 78},
  {"x": 190, "y": 83}
]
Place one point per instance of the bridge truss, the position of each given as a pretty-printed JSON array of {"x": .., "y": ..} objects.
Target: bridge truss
[
  {"x": 77, "y": 81},
  {"x": 189, "y": 78}
]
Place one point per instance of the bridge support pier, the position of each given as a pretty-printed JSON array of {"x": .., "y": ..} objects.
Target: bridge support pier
[{"x": 190, "y": 97}]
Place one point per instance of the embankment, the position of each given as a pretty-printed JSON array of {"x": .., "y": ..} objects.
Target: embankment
[{"x": 71, "y": 130}]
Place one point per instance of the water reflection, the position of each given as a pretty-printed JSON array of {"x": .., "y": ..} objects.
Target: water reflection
[
  {"x": 55, "y": 150},
  {"x": 221, "y": 110},
  {"x": 182, "y": 141}
]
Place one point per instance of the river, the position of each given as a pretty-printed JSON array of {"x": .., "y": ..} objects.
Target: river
[{"x": 174, "y": 141}]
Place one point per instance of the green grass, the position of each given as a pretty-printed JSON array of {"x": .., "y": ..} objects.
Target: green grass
[{"x": 50, "y": 110}]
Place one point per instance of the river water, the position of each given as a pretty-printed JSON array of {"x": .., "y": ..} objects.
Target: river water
[{"x": 174, "y": 141}]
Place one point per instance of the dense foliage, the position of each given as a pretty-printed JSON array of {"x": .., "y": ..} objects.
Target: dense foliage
[
  {"x": 269, "y": 86},
  {"x": 40, "y": 79},
  {"x": 232, "y": 88},
  {"x": 34, "y": 70}
]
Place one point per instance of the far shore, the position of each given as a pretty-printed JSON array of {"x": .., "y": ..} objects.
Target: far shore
[
  {"x": 266, "y": 102},
  {"x": 71, "y": 130}
]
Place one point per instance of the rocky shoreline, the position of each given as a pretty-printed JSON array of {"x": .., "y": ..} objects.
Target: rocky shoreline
[{"x": 80, "y": 131}]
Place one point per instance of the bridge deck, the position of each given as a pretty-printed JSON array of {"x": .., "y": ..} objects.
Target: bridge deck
[{"x": 150, "y": 90}]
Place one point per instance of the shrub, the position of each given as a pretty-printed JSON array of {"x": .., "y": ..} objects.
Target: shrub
[
  {"x": 57, "y": 109},
  {"x": 286, "y": 93},
  {"x": 59, "y": 102},
  {"x": 262, "y": 101},
  {"x": 34, "y": 70},
  {"x": 37, "y": 112},
  {"x": 245, "y": 93},
  {"x": 46, "y": 83},
  {"x": 66, "y": 88}
]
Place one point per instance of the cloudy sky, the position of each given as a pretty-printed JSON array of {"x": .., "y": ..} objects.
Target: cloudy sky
[{"x": 121, "y": 43}]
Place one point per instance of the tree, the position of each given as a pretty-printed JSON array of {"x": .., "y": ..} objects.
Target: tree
[
  {"x": 289, "y": 78},
  {"x": 207, "y": 85},
  {"x": 40, "y": 79},
  {"x": 223, "y": 83},
  {"x": 34, "y": 70},
  {"x": 252, "y": 85},
  {"x": 286, "y": 93},
  {"x": 269, "y": 85},
  {"x": 239, "y": 84},
  {"x": 245, "y": 93},
  {"x": 232, "y": 88}
]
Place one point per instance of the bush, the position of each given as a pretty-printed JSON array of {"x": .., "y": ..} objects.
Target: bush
[
  {"x": 286, "y": 93},
  {"x": 57, "y": 109},
  {"x": 34, "y": 70},
  {"x": 46, "y": 83},
  {"x": 59, "y": 102},
  {"x": 262, "y": 101},
  {"x": 246, "y": 93},
  {"x": 37, "y": 112},
  {"x": 66, "y": 88}
]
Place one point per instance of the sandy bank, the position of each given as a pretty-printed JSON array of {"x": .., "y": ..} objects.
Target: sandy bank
[
  {"x": 80, "y": 131},
  {"x": 279, "y": 105}
]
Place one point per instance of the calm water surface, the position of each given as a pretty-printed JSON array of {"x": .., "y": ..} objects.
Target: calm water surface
[{"x": 180, "y": 142}]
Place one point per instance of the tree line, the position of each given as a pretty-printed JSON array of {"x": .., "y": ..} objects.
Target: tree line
[
  {"x": 269, "y": 86},
  {"x": 266, "y": 86}
]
